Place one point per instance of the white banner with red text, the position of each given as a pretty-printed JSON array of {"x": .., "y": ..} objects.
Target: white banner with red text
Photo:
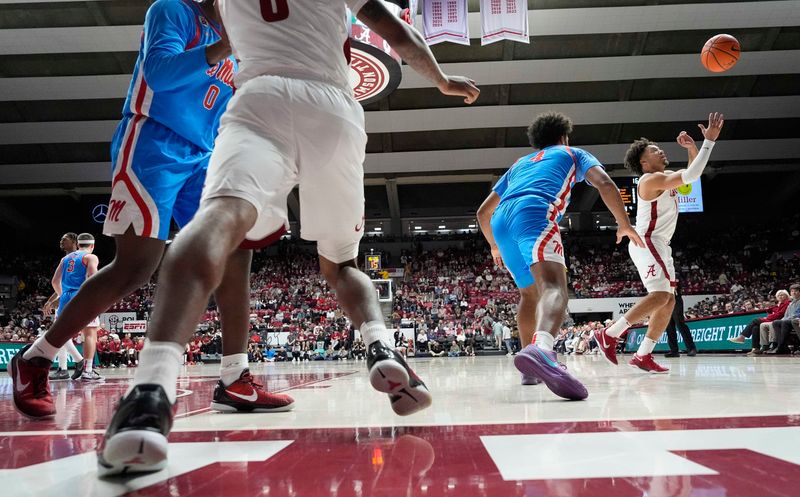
[{"x": 504, "y": 20}]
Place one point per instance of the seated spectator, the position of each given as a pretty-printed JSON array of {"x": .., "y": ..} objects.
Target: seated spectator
[
  {"x": 754, "y": 328},
  {"x": 784, "y": 326},
  {"x": 359, "y": 349},
  {"x": 128, "y": 350},
  {"x": 435, "y": 349},
  {"x": 455, "y": 350},
  {"x": 422, "y": 341}
]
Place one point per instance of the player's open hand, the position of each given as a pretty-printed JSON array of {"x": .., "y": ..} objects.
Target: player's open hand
[
  {"x": 461, "y": 87},
  {"x": 715, "y": 122},
  {"x": 498, "y": 259},
  {"x": 631, "y": 233},
  {"x": 686, "y": 141}
]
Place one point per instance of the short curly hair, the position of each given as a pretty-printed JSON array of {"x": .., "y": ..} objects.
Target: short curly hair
[
  {"x": 548, "y": 128},
  {"x": 634, "y": 155}
]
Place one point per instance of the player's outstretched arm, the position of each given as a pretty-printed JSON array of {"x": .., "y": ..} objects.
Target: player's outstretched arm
[
  {"x": 415, "y": 52},
  {"x": 609, "y": 192},
  {"x": 484, "y": 214},
  {"x": 668, "y": 180}
]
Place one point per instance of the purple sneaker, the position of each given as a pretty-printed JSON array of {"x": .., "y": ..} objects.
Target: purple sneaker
[
  {"x": 534, "y": 380},
  {"x": 530, "y": 379},
  {"x": 534, "y": 361}
]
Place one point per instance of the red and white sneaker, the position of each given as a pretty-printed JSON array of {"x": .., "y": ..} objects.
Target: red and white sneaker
[
  {"x": 607, "y": 345},
  {"x": 245, "y": 395},
  {"x": 647, "y": 363},
  {"x": 29, "y": 380}
]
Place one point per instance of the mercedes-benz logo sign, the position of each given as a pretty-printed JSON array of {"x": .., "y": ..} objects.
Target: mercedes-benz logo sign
[{"x": 99, "y": 213}]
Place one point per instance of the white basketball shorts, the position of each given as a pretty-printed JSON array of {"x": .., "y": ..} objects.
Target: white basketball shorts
[
  {"x": 655, "y": 265},
  {"x": 281, "y": 132}
]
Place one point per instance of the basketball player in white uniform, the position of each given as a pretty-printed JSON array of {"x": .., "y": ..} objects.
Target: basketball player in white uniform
[
  {"x": 293, "y": 121},
  {"x": 656, "y": 218}
]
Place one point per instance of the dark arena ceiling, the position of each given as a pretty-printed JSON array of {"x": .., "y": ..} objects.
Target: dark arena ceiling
[{"x": 620, "y": 68}]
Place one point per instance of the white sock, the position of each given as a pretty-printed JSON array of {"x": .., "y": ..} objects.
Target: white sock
[
  {"x": 618, "y": 328},
  {"x": 544, "y": 340},
  {"x": 41, "y": 348},
  {"x": 62, "y": 358},
  {"x": 375, "y": 330},
  {"x": 87, "y": 367},
  {"x": 159, "y": 363},
  {"x": 646, "y": 347},
  {"x": 73, "y": 351},
  {"x": 231, "y": 367}
]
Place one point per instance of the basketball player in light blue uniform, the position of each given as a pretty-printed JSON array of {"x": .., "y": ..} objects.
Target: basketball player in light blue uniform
[
  {"x": 520, "y": 221},
  {"x": 181, "y": 85},
  {"x": 72, "y": 272}
]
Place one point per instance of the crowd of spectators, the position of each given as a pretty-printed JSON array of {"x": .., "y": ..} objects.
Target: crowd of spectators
[{"x": 454, "y": 298}]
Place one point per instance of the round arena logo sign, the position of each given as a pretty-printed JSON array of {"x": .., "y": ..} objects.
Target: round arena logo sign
[{"x": 374, "y": 67}]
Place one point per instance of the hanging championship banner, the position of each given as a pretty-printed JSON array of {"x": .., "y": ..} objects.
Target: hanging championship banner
[
  {"x": 504, "y": 20},
  {"x": 445, "y": 20},
  {"x": 374, "y": 66}
]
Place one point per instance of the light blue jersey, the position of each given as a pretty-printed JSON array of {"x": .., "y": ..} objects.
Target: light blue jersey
[
  {"x": 163, "y": 143},
  {"x": 546, "y": 177},
  {"x": 73, "y": 274},
  {"x": 534, "y": 194},
  {"x": 172, "y": 82},
  {"x": 73, "y": 271}
]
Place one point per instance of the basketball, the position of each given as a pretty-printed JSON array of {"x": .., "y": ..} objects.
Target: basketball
[{"x": 720, "y": 53}]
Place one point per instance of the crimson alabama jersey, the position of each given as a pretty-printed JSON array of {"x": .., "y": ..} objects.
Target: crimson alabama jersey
[
  {"x": 657, "y": 218},
  {"x": 303, "y": 39}
]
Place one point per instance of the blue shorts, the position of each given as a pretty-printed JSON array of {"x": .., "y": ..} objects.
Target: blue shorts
[
  {"x": 64, "y": 299},
  {"x": 157, "y": 176},
  {"x": 526, "y": 232}
]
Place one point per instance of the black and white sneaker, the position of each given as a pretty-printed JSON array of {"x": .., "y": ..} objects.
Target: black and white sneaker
[
  {"x": 136, "y": 439},
  {"x": 59, "y": 375},
  {"x": 389, "y": 373},
  {"x": 79, "y": 367}
]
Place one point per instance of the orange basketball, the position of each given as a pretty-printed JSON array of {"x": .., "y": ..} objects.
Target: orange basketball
[{"x": 720, "y": 53}]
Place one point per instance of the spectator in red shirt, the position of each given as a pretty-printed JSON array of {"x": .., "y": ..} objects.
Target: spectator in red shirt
[
  {"x": 114, "y": 350},
  {"x": 127, "y": 350},
  {"x": 102, "y": 351}
]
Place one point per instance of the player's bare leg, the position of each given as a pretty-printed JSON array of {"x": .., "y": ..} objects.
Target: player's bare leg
[
  {"x": 354, "y": 291},
  {"x": 659, "y": 318},
  {"x": 526, "y": 314},
  {"x": 526, "y": 323},
  {"x": 650, "y": 305},
  {"x": 539, "y": 359},
  {"x": 234, "y": 392},
  {"x": 195, "y": 265},
  {"x": 136, "y": 438},
  {"x": 551, "y": 284},
  {"x": 389, "y": 373},
  {"x": 89, "y": 350}
]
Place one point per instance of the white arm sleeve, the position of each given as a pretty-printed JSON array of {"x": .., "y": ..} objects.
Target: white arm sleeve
[{"x": 695, "y": 169}]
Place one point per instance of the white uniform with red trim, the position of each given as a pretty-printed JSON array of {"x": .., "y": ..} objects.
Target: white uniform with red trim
[
  {"x": 293, "y": 121},
  {"x": 655, "y": 222}
]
